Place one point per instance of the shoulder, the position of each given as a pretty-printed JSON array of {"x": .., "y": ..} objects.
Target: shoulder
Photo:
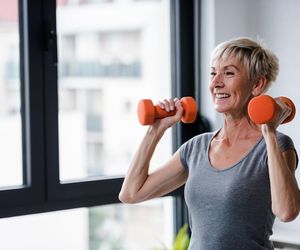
[
  {"x": 194, "y": 148},
  {"x": 285, "y": 142},
  {"x": 197, "y": 142},
  {"x": 199, "y": 139}
]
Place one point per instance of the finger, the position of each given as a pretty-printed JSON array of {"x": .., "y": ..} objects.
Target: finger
[
  {"x": 167, "y": 105},
  {"x": 177, "y": 103},
  {"x": 285, "y": 108},
  {"x": 280, "y": 102},
  {"x": 161, "y": 104},
  {"x": 179, "y": 109},
  {"x": 172, "y": 104},
  {"x": 283, "y": 111}
]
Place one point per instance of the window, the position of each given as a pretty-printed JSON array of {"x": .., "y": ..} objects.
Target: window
[
  {"x": 106, "y": 71},
  {"x": 117, "y": 226},
  {"x": 109, "y": 70},
  {"x": 60, "y": 77}
]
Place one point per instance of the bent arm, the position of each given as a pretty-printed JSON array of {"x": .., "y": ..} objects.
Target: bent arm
[
  {"x": 284, "y": 188},
  {"x": 139, "y": 185}
]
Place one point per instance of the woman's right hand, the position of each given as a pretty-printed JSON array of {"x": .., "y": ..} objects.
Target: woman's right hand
[{"x": 170, "y": 105}]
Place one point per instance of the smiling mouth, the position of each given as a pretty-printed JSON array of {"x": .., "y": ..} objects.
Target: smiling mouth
[{"x": 222, "y": 95}]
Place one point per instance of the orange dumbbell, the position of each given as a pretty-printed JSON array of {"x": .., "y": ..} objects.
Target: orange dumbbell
[
  {"x": 147, "y": 112},
  {"x": 262, "y": 109}
]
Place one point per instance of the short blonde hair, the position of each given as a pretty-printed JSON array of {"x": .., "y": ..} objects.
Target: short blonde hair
[{"x": 259, "y": 61}]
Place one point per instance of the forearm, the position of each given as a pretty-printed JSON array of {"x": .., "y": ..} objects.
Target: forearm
[
  {"x": 284, "y": 188},
  {"x": 137, "y": 173}
]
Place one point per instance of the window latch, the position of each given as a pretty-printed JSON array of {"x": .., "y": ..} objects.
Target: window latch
[{"x": 50, "y": 44}]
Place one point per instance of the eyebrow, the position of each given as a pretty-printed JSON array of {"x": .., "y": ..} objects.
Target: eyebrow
[{"x": 227, "y": 66}]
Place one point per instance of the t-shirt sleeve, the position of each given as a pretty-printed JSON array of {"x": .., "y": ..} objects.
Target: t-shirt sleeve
[
  {"x": 183, "y": 152},
  {"x": 187, "y": 150},
  {"x": 286, "y": 143}
]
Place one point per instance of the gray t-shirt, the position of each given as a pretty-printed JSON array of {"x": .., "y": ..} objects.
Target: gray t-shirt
[{"x": 229, "y": 209}]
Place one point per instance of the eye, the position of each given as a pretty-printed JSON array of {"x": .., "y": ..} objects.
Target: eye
[
  {"x": 212, "y": 74},
  {"x": 229, "y": 73}
]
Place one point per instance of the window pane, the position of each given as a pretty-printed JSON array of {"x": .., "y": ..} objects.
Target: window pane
[
  {"x": 117, "y": 56},
  {"x": 10, "y": 118},
  {"x": 145, "y": 226}
]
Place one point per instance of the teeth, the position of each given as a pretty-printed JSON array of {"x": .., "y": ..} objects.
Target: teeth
[{"x": 222, "y": 95}]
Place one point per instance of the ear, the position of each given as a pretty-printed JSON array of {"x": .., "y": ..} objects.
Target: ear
[{"x": 260, "y": 86}]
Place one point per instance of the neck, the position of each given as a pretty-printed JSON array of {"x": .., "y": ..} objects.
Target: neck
[{"x": 238, "y": 129}]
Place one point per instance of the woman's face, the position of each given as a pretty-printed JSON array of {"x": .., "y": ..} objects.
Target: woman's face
[{"x": 230, "y": 87}]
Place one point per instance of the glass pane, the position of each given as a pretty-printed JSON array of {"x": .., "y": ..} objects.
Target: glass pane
[
  {"x": 10, "y": 118},
  {"x": 117, "y": 56},
  {"x": 146, "y": 226}
]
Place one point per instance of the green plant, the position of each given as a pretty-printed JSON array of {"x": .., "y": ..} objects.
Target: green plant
[{"x": 182, "y": 239}]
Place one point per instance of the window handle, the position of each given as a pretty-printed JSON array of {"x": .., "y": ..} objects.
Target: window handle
[{"x": 50, "y": 43}]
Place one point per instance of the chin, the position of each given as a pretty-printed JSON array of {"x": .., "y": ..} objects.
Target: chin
[{"x": 220, "y": 110}]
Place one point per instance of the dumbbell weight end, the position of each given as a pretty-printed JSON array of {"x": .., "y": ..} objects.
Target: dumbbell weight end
[{"x": 262, "y": 109}]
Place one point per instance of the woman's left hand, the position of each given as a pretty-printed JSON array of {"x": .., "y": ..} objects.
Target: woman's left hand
[{"x": 282, "y": 112}]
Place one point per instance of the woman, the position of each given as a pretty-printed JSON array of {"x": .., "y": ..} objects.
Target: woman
[{"x": 237, "y": 178}]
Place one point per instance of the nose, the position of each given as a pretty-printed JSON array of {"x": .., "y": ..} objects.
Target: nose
[{"x": 217, "y": 81}]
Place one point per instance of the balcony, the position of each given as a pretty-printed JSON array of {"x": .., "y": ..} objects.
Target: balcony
[
  {"x": 98, "y": 69},
  {"x": 85, "y": 69}
]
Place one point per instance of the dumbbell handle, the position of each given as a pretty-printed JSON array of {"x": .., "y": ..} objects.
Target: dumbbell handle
[
  {"x": 161, "y": 113},
  {"x": 262, "y": 109}
]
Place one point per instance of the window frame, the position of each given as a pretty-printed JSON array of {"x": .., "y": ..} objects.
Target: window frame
[
  {"x": 42, "y": 191},
  {"x": 32, "y": 122}
]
